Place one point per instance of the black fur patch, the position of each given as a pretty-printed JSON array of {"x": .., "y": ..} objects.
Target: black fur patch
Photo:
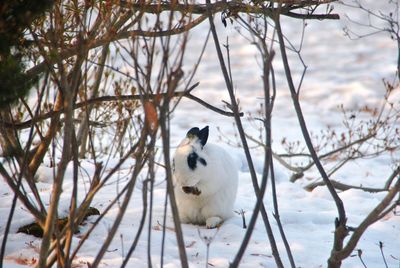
[
  {"x": 191, "y": 190},
  {"x": 203, "y": 161},
  {"x": 173, "y": 165},
  {"x": 192, "y": 160}
]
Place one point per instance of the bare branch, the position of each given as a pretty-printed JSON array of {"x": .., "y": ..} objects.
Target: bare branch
[
  {"x": 373, "y": 216},
  {"x": 343, "y": 187},
  {"x": 236, "y": 7},
  {"x": 102, "y": 99}
]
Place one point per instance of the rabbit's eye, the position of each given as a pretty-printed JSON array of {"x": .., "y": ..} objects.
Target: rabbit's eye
[{"x": 192, "y": 160}]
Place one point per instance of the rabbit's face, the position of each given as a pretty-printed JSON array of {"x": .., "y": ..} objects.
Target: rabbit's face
[{"x": 187, "y": 160}]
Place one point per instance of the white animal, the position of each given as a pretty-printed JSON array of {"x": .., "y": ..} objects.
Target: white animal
[{"x": 205, "y": 180}]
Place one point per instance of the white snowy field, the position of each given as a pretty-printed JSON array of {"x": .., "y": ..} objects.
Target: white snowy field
[{"x": 340, "y": 72}]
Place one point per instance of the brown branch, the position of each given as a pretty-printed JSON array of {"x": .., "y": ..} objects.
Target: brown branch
[
  {"x": 207, "y": 105},
  {"x": 112, "y": 37},
  {"x": 312, "y": 16},
  {"x": 373, "y": 216},
  {"x": 102, "y": 99},
  {"x": 41, "y": 150},
  {"x": 200, "y": 9},
  {"x": 343, "y": 187},
  {"x": 22, "y": 197},
  {"x": 391, "y": 178},
  {"x": 236, "y": 7}
]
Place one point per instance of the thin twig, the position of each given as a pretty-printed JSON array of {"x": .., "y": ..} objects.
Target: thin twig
[
  {"x": 383, "y": 255},
  {"x": 359, "y": 254}
]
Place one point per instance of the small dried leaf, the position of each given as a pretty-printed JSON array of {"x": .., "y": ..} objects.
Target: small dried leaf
[
  {"x": 156, "y": 228},
  {"x": 151, "y": 116}
]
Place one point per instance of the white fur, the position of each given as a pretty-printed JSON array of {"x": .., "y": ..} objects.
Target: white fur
[{"x": 217, "y": 181}]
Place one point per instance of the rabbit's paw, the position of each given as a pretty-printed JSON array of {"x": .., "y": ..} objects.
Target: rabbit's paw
[{"x": 213, "y": 222}]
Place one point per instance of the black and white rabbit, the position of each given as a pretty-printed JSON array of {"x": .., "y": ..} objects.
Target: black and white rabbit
[{"x": 205, "y": 180}]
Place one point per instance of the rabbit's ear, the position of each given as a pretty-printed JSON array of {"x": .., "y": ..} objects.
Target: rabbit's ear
[
  {"x": 203, "y": 135},
  {"x": 193, "y": 132}
]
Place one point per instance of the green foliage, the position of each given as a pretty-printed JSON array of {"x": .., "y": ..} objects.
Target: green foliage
[
  {"x": 14, "y": 83},
  {"x": 15, "y": 17}
]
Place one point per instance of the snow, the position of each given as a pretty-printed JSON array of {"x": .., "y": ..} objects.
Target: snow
[{"x": 340, "y": 72}]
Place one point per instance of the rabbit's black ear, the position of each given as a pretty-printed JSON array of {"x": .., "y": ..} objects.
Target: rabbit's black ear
[
  {"x": 193, "y": 132},
  {"x": 203, "y": 135}
]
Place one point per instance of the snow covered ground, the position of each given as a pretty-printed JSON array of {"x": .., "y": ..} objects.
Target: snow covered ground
[{"x": 340, "y": 72}]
